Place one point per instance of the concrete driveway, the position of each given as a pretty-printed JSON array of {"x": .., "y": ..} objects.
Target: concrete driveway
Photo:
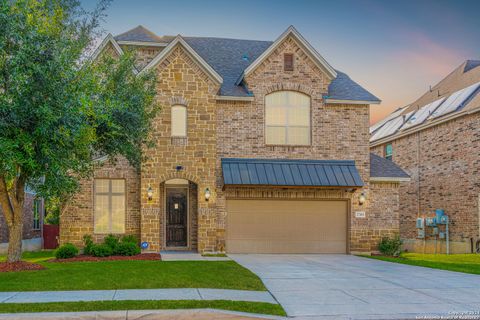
[{"x": 350, "y": 287}]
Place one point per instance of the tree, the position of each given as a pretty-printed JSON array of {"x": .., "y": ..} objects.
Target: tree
[{"x": 57, "y": 109}]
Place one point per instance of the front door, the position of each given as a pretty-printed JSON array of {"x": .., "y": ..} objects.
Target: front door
[{"x": 176, "y": 224}]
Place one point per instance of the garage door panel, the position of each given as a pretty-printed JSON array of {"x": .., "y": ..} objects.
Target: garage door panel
[{"x": 284, "y": 226}]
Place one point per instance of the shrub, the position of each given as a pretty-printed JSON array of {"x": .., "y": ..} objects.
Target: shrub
[
  {"x": 66, "y": 251},
  {"x": 88, "y": 244},
  {"x": 129, "y": 239},
  {"x": 390, "y": 247},
  {"x": 111, "y": 241},
  {"x": 127, "y": 249},
  {"x": 101, "y": 250}
]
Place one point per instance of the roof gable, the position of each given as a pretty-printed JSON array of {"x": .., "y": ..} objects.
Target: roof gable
[
  {"x": 307, "y": 47},
  {"x": 138, "y": 34},
  {"x": 108, "y": 40},
  {"x": 179, "y": 41}
]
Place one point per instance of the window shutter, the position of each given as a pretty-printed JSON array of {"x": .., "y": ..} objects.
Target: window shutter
[{"x": 288, "y": 62}]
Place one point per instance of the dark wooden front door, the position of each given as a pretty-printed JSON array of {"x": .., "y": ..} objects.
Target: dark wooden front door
[{"x": 176, "y": 223}]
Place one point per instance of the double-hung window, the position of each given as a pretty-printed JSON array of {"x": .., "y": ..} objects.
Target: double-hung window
[
  {"x": 109, "y": 206},
  {"x": 37, "y": 213},
  {"x": 389, "y": 151},
  {"x": 287, "y": 118}
]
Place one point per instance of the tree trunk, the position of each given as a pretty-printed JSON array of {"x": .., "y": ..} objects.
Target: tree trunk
[{"x": 15, "y": 235}]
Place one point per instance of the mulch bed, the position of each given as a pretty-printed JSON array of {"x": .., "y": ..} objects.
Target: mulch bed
[
  {"x": 84, "y": 258},
  {"x": 19, "y": 266}
]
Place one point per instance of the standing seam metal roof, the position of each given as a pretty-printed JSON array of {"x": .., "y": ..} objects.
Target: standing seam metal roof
[{"x": 274, "y": 172}]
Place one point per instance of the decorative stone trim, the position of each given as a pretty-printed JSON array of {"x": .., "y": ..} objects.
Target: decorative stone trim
[
  {"x": 179, "y": 175},
  {"x": 290, "y": 87},
  {"x": 178, "y": 101}
]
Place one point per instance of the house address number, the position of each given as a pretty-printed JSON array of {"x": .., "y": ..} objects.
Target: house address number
[{"x": 359, "y": 214}]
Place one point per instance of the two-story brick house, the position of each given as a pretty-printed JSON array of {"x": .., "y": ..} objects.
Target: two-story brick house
[
  {"x": 260, "y": 147},
  {"x": 436, "y": 139}
]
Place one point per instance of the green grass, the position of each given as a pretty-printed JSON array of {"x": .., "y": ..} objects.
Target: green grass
[
  {"x": 129, "y": 275},
  {"x": 252, "y": 307},
  {"x": 467, "y": 263}
]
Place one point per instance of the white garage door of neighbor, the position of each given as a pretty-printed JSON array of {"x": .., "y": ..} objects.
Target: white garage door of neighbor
[{"x": 286, "y": 226}]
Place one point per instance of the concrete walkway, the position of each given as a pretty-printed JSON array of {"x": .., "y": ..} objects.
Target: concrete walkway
[
  {"x": 136, "y": 294},
  {"x": 211, "y": 314},
  {"x": 350, "y": 287}
]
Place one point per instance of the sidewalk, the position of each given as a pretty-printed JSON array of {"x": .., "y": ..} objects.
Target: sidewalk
[
  {"x": 210, "y": 314},
  {"x": 136, "y": 294}
]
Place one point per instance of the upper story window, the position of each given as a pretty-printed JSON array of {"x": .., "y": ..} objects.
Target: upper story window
[
  {"x": 179, "y": 121},
  {"x": 287, "y": 118},
  {"x": 288, "y": 62},
  {"x": 388, "y": 151},
  {"x": 109, "y": 206}
]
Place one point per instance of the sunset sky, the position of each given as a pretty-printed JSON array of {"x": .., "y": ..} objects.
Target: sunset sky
[{"x": 395, "y": 49}]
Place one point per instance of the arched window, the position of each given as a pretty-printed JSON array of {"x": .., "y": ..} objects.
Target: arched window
[
  {"x": 179, "y": 121},
  {"x": 287, "y": 118}
]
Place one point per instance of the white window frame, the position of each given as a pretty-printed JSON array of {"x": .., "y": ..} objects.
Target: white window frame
[
  {"x": 287, "y": 126},
  {"x": 37, "y": 209},
  {"x": 109, "y": 194},
  {"x": 172, "y": 122}
]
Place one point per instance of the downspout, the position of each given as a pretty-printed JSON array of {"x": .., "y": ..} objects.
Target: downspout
[{"x": 418, "y": 188}]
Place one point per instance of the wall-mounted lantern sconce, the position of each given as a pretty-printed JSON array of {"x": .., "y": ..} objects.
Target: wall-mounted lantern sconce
[
  {"x": 150, "y": 193},
  {"x": 362, "y": 198},
  {"x": 207, "y": 194}
]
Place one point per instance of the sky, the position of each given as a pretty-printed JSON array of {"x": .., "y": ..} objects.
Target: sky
[{"x": 394, "y": 49}]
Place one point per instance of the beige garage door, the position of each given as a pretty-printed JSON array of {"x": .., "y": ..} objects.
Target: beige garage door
[{"x": 286, "y": 226}]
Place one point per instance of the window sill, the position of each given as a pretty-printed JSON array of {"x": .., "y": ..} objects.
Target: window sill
[{"x": 179, "y": 141}]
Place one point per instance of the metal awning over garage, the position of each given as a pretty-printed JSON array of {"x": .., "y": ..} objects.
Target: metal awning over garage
[{"x": 301, "y": 173}]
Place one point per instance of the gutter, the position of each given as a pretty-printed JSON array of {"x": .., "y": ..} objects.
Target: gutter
[{"x": 389, "y": 179}]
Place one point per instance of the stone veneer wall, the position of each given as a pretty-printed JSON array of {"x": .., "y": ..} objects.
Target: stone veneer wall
[
  {"x": 77, "y": 219},
  {"x": 444, "y": 164},
  {"x": 182, "y": 81},
  {"x": 28, "y": 231}
]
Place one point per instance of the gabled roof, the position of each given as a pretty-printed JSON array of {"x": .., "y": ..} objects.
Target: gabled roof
[
  {"x": 108, "y": 40},
  {"x": 287, "y": 172},
  {"x": 307, "y": 47},
  {"x": 455, "y": 95},
  {"x": 180, "y": 41},
  {"x": 230, "y": 58},
  {"x": 382, "y": 169},
  {"x": 138, "y": 34}
]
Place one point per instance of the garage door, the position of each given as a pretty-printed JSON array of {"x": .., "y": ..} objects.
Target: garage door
[{"x": 286, "y": 226}]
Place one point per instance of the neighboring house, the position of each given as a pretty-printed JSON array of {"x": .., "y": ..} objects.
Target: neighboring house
[
  {"x": 436, "y": 140},
  {"x": 260, "y": 147},
  {"x": 32, "y": 224}
]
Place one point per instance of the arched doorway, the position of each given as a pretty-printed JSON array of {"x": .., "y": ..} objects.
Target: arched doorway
[{"x": 180, "y": 223}]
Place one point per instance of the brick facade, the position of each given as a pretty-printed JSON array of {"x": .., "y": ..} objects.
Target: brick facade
[
  {"x": 443, "y": 162},
  {"x": 218, "y": 128}
]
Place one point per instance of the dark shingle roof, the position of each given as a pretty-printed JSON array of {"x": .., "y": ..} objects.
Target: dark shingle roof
[
  {"x": 230, "y": 57},
  {"x": 344, "y": 88},
  {"x": 140, "y": 34},
  {"x": 282, "y": 172},
  {"x": 471, "y": 64},
  {"x": 383, "y": 168}
]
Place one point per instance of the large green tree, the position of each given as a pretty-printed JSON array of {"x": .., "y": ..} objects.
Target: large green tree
[{"x": 58, "y": 110}]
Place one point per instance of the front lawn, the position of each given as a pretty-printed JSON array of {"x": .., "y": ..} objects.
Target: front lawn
[
  {"x": 128, "y": 275},
  {"x": 242, "y": 306},
  {"x": 467, "y": 263}
]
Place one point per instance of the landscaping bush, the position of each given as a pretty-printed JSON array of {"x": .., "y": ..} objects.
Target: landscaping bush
[
  {"x": 66, "y": 251},
  {"x": 129, "y": 239},
  {"x": 101, "y": 250},
  {"x": 127, "y": 249},
  {"x": 390, "y": 247},
  {"x": 88, "y": 244},
  {"x": 111, "y": 241}
]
